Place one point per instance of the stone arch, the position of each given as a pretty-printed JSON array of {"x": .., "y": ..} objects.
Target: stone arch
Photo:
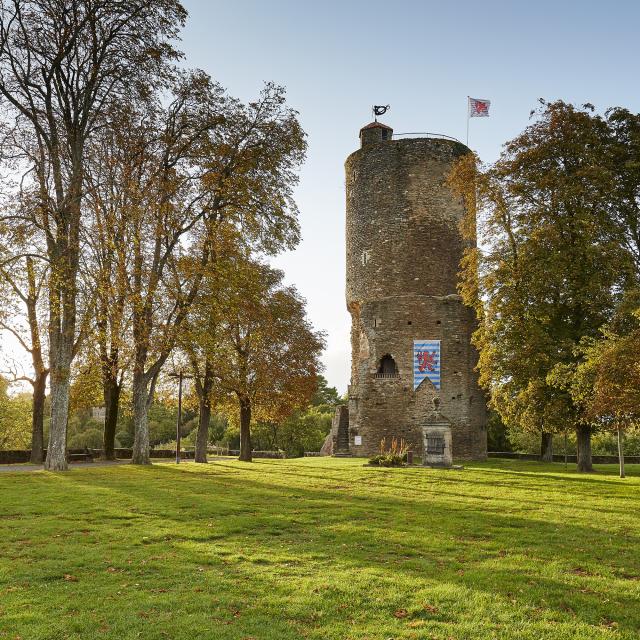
[{"x": 387, "y": 365}]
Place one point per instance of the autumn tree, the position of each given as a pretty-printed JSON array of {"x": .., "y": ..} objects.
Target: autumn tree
[
  {"x": 24, "y": 277},
  {"x": 605, "y": 383},
  {"x": 549, "y": 266},
  {"x": 110, "y": 196},
  {"x": 199, "y": 336},
  {"x": 61, "y": 65},
  {"x": 192, "y": 161},
  {"x": 265, "y": 352}
]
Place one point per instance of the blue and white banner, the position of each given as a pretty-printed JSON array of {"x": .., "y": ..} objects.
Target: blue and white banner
[{"x": 426, "y": 362}]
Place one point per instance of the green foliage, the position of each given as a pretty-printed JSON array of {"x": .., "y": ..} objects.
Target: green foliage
[
  {"x": 163, "y": 415},
  {"x": 325, "y": 396},
  {"x": 392, "y": 455},
  {"x": 605, "y": 383},
  {"x": 387, "y": 460},
  {"x": 322, "y": 549},
  {"x": 605, "y": 443},
  {"x": 15, "y": 419},
  {"x": 217, "y": 426},
  {"x": 125, "y": 439},
  {"x": 91, "y": 439},
  {"x": 303, "y": 431},
  {"x": 497, "y": 438},
  {"x": 554, "y": 225}
]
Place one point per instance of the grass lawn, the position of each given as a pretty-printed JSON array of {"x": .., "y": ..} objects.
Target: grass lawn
[{"x": 320, "y": 548}]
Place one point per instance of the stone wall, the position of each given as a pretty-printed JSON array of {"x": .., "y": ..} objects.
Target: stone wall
[{"x": 403, "y": 255}]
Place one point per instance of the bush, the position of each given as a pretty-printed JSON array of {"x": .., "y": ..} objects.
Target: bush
[
  {"x": 124, "y": 439},
  {"x": 393, "y": 456},
  {"x": 388, "y": 460},
  {"x": 91, "y": 439}
]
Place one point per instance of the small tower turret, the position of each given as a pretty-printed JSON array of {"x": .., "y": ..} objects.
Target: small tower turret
[{"x": 375, "y": 132}]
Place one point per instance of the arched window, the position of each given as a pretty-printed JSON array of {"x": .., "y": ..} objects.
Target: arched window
[{"x": 387, "y": 365}]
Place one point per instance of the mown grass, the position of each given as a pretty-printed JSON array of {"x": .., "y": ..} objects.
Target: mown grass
[{"x": 322, "y": 549}]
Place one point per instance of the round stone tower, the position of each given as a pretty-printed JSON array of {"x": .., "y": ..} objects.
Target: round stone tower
[{"x": 410, "y": 332}]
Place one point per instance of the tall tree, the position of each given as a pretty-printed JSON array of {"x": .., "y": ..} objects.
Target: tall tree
[
  {"x": 266, "y": 353},
  {"x": 199, "y": 159},
  {"x": 199, "y": 336},
  {"x": 550, "y": 264},
  {"x": 61, "y": 64},
  {"x": 110, "y": 169}
]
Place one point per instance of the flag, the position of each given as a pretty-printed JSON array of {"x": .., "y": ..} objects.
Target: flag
[
  {"x": 479, "y": 108},
  {"x": 426, "y": 362}
]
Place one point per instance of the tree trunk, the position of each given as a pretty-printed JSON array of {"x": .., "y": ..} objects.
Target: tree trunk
[
  {"x": 60, "y": 381},
  {"x": 140, "y": 420},
  {"x": 245, "y": 432},
  {"x": 37, "y": 420},
  {"x": 62, "y": 293},
  {"x": 546, "y": 450},
  {"x": 40, "y": 371},
  {"x": 111, "y": 393},
  {"x": 620, "y": 453},
  {"x": 583, "y": 433},
  {"x": 202, "y": 437}
]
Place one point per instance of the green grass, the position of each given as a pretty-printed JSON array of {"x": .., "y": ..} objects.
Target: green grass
[{"x": 320, "y": 548}]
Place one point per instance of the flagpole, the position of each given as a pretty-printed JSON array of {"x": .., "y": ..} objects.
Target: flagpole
[{"x": 468, "y": 103}]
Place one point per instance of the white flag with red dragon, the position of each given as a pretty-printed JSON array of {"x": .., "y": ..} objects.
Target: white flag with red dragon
[{"x": 479, "y": 108}]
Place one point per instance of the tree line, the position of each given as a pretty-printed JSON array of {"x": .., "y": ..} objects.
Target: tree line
[
  {"x": 140, "y": 201},
  {"x": 555, "y": 277}
]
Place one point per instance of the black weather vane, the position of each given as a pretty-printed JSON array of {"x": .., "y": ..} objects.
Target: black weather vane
[{"x": 380, "y": 110}]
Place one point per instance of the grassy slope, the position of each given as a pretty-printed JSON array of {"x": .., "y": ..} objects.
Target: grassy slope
[{"x": 320, "y": 548}]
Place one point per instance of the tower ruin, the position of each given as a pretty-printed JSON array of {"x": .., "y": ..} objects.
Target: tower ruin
[{"x": 410, "y": 331}]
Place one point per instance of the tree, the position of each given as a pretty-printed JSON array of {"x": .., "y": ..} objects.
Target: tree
[
  {"x": 111, "y": 166},
  {"x": 216, "y": 160},
  {"x": 550, "y": 266},
  {"x": 605, "y": 384},
  {"x": 61, "y": 65},
  {"x": 302, "y": 431},
  {"x": 324, "y": 394},
  {"x": 624, "y": 151},
  {"x": 15, "y": 418},
  {"x": 25, "y": 285},
  {"x": 266, "y": 353}
]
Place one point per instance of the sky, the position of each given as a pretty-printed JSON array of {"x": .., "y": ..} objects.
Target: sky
[{"x": 338, "y": 58}]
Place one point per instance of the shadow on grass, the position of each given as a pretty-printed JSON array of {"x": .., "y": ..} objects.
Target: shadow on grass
[{"x": 380, "y": 539}]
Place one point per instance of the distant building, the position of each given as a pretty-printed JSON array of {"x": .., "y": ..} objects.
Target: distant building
[
  {"x": 410, "y": 331},
  {"x": 98, "y": 413}
]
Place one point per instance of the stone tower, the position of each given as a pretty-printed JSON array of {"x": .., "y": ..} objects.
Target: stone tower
[{"x": 403, "y": 255}]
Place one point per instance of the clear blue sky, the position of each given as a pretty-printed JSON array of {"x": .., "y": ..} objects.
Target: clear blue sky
[{"x": 423, "y": 58}]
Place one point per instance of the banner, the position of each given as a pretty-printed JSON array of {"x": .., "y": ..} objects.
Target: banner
[
  {"x": 426, "y": 362},
  {"x": 479, "y": 108}
]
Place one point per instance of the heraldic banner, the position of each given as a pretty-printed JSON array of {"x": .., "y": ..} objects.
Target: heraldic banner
[
  {"x": 426, "y": 362},
  {"x": 479, "y": 108}
]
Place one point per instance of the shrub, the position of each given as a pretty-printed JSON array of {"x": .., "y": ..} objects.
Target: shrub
[
  {"x": 393, "y": 456},
  {"x": 91, "y": 438}
]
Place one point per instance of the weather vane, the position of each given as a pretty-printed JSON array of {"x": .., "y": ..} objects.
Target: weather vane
[{"x": 380, "y": 110}]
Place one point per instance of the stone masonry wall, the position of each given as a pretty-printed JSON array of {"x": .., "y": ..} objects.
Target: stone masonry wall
[{"x": 403, "y": 255}]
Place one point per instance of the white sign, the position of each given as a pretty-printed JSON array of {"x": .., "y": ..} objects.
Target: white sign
[{"x": 357, "y": 440}]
